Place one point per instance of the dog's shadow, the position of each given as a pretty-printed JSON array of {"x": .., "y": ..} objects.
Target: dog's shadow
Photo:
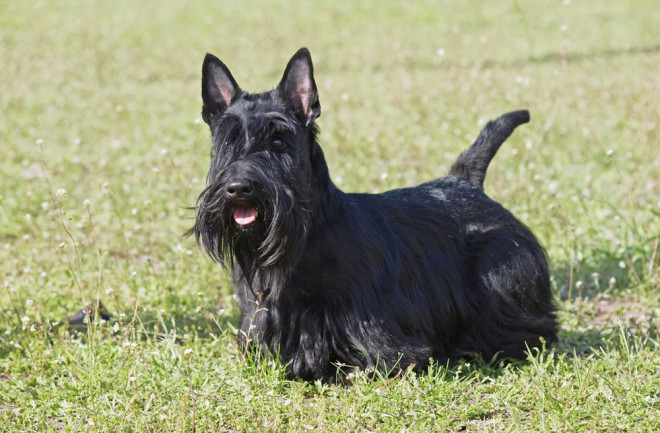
[
  {"x": 622, "y": 335},
  {"x": 595, "y": 315},
  {"x": 584, "y": 333},
  {"x": 595, "y": 300},
  {"x": 208, "y": 320}
]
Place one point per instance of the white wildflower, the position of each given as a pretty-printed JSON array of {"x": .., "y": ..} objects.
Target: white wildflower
[{"x": 61, "y": 195}]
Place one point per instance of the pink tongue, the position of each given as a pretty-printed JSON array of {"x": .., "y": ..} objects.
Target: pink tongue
[{"x": 245, "y": 216}]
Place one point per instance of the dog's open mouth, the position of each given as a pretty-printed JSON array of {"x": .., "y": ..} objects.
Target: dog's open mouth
[{"x": 244, "y": 216}]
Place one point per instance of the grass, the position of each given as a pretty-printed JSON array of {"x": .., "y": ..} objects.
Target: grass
[{"x": 103, "y": 151}]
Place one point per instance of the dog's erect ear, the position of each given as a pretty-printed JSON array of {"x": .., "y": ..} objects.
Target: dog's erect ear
[
  {"x": 219, "y": 89},
  {"x": 299, "y": 89}
]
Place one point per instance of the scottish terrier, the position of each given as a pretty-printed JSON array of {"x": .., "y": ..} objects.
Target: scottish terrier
[{"x": 335, "y": 283}]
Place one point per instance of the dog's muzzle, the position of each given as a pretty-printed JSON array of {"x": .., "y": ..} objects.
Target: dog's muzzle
[{"x": 241, "y": 193}]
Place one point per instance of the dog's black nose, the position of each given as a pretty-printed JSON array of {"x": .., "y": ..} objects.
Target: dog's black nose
[{"x": 239, "y": 188}]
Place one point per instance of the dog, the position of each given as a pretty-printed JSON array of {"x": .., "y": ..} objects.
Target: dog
[{"x": 334, "y": 284}]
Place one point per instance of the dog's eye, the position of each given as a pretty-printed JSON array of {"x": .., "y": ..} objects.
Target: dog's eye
[{"x": 277, "y": 142}]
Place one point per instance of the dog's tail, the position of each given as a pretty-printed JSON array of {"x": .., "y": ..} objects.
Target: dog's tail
[{"x": 473, "y": 163}]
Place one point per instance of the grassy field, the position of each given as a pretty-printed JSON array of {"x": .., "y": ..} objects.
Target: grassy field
[{"x": 103, "y": 151}]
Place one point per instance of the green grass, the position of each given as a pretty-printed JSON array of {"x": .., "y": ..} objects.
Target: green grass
[{"x": 101, "y": 99}]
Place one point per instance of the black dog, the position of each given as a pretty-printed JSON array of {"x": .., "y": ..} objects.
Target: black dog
[{"x": 333, "y": 282}]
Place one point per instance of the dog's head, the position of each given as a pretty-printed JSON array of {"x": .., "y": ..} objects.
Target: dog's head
[{"x": 256, "y": 206}]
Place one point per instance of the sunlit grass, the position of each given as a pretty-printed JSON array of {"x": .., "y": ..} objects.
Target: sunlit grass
[{"x": 103, "y": 152}]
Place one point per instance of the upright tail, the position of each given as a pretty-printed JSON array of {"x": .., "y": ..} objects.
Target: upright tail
[{"x": 473, "y": 163}]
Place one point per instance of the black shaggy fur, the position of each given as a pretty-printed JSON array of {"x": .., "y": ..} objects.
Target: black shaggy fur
[{"x": 334, "y": 282}]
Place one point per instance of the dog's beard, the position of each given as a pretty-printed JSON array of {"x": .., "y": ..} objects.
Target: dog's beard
[{"x": 264, "y": 233}]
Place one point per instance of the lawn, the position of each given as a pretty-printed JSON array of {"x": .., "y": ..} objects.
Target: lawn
[{"x": 104, "y": 151}]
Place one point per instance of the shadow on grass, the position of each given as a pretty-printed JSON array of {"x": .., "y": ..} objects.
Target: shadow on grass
[
  {"x": 551, "y": 57},
  {"x": 593, "y": 54},
  {"x": 594, "y": 317},
  {"x": 188, "y": 318},
  {"x": 604, "y": 272}
]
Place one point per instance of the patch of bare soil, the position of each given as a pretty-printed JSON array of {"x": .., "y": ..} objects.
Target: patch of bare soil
[{"x": 608, "y": 312}]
